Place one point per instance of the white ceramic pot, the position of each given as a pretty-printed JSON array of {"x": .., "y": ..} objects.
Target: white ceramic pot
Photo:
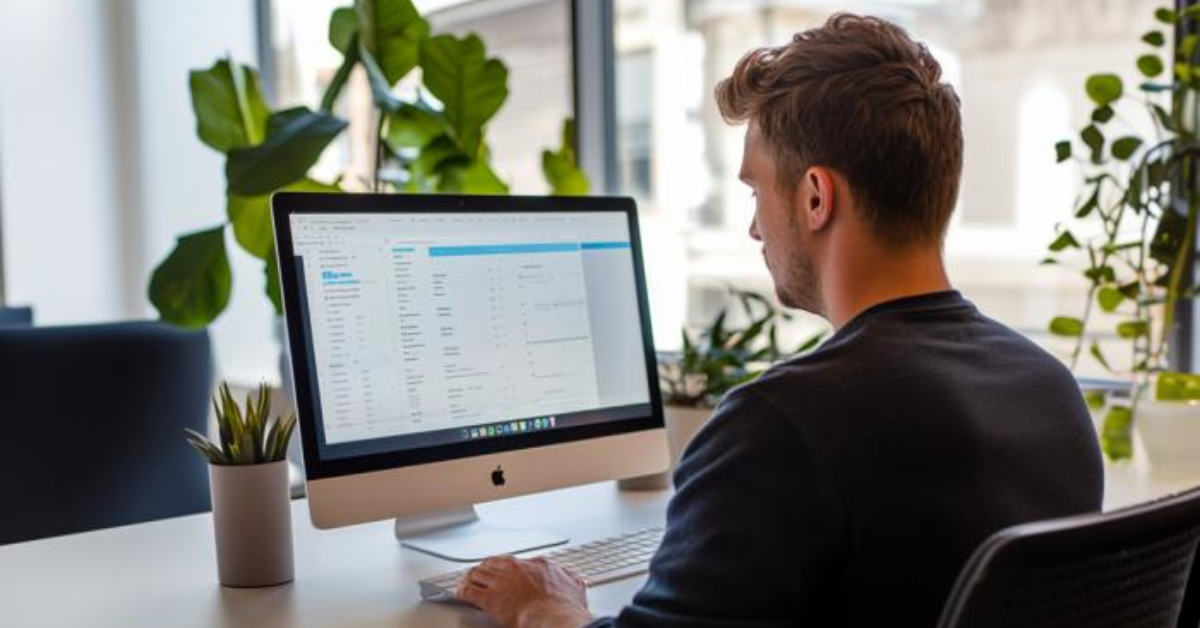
[
  {"x": 252, "y": 522},
  {"x": 1170, "y": 434},
  {"x": 682, "y": 423},
  {"x": 285, "y": 403}
]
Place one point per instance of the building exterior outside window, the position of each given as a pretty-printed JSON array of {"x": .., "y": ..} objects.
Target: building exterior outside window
[{"x": 1019, "y": 68}]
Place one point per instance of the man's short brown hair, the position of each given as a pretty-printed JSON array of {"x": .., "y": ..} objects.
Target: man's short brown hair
[{"x": 859, "y": 96}]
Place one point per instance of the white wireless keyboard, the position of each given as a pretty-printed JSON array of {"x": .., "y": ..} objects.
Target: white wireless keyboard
[{"x": 598, "y": 562}]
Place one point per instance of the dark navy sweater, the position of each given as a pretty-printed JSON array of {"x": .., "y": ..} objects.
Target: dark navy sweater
[{"x": 848, "y": 487}]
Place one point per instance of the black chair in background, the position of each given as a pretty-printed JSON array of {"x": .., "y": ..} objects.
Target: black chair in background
[
  {"x": 91, "y": 426},
  {"x": 16, "y": 316},
  {"x": 1131, "y": 568}
]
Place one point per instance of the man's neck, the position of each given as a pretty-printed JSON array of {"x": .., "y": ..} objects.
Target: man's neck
[{"x": 860, "y": 277}]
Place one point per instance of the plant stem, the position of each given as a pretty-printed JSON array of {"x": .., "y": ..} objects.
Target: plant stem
[
  {"x": 377, "y": 183},
  {"x": 1087, "y": 314},
  {"x": 1178, "y": 268},
  {"x": 1111, "y": 230}
]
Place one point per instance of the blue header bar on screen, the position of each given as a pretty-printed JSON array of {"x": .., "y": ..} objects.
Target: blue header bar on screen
[
  {"x": 540, "y": 247},
  {"x": 604, "y": 245}
]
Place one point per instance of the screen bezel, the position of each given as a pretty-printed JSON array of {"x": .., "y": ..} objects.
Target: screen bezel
[{"x": 286, "y": 204}]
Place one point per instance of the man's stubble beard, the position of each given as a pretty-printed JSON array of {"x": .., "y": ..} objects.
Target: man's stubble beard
[{"x": 799, "y": 285}]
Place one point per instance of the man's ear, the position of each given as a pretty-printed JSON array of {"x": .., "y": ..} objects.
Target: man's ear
[{"x": 814, "y": 198}]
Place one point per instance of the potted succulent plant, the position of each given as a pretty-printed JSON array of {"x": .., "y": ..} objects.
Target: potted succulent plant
[
  {"x": 248, "y": 480},
  {"x": 1134, "y": 229},
  {"x": 710, "y": 364}
]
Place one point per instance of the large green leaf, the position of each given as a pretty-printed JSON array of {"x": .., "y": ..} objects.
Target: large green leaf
[
  {"x": 561, "y": 168},
  {"x": 251, "y": 216},
  {"x": 191, "y": 287},
  {"x": 392, "y": 32},
  {"x": 343, "y": 29},
  {"x": 229, "y": 106},
  {"x": 295, "y": 139},
  {"x": 470, "y": 86},
  {"x": 415, "y": 126},
  {"x": 474, "y": 178},
  {"x": 440, "y": 154}
]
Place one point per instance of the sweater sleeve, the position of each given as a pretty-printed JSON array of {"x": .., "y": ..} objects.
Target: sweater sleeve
[{"x": 751, "y": 532}]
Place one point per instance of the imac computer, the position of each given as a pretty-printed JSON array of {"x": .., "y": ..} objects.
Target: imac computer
[{"x": 453, "y": 350}]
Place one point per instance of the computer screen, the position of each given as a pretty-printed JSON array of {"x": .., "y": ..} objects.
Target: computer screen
[{"x": 431, "y": 329}]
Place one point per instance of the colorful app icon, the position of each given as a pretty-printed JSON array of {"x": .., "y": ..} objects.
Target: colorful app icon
[
  {"x": 491, "y": 431},
  {"x": 474, "y": 433},
  {"x": 551, "y": 421}
]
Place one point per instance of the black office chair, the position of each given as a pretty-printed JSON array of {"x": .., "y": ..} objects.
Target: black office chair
[
  {"x": 91, "y": 426},
  {"x": 16, "y": 316},
  {"x": 1131, "y": 568}
]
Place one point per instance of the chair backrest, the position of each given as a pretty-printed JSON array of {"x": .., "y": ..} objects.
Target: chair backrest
[
  {"x": 1128, "y": 568},
  {"x": 91, "y": 426},
  {"x": 16, "y": 316}
]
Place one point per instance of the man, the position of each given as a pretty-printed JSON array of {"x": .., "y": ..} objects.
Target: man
[{"x": 848, "y": 487}]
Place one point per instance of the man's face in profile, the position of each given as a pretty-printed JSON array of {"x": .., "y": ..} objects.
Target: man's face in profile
[{"x": 777, "y": 224}]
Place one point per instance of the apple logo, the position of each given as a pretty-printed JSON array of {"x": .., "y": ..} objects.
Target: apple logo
[{"x": 498, "y": 476}]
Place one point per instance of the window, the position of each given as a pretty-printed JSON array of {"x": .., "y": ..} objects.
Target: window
[
  {"x": 1019, "y": 68},
  {"x": 531, "y": 37}
]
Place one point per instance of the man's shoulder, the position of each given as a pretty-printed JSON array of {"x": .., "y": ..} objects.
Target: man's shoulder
[{"x": 792, "y": 384}]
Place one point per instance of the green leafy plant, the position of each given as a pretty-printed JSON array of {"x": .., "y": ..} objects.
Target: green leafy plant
[
  {"x": 1135, "y": 220},
  {"x": 246, "y": 436},
  {"x": 434, "y": 142},
  {"x": 721, "y": 357}
]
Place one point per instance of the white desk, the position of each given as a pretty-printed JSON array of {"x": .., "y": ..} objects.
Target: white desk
[{"x": 163, "y": 574}]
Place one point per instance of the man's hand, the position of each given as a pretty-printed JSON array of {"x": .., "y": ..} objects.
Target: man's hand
[{"x": 533, "y": 593}]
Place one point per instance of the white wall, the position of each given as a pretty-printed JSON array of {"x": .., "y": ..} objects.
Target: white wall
[
  {"x": 100, "y": 168},
  {"x": 56, "y": 169},
  {"x": 182, "y": 180}
]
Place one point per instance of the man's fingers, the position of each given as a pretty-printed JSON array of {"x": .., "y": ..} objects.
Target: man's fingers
[
  {"x": 493, "y": 569},
  {"x": 578, "y": 578},
  {"x": 472, "y": 594}
]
